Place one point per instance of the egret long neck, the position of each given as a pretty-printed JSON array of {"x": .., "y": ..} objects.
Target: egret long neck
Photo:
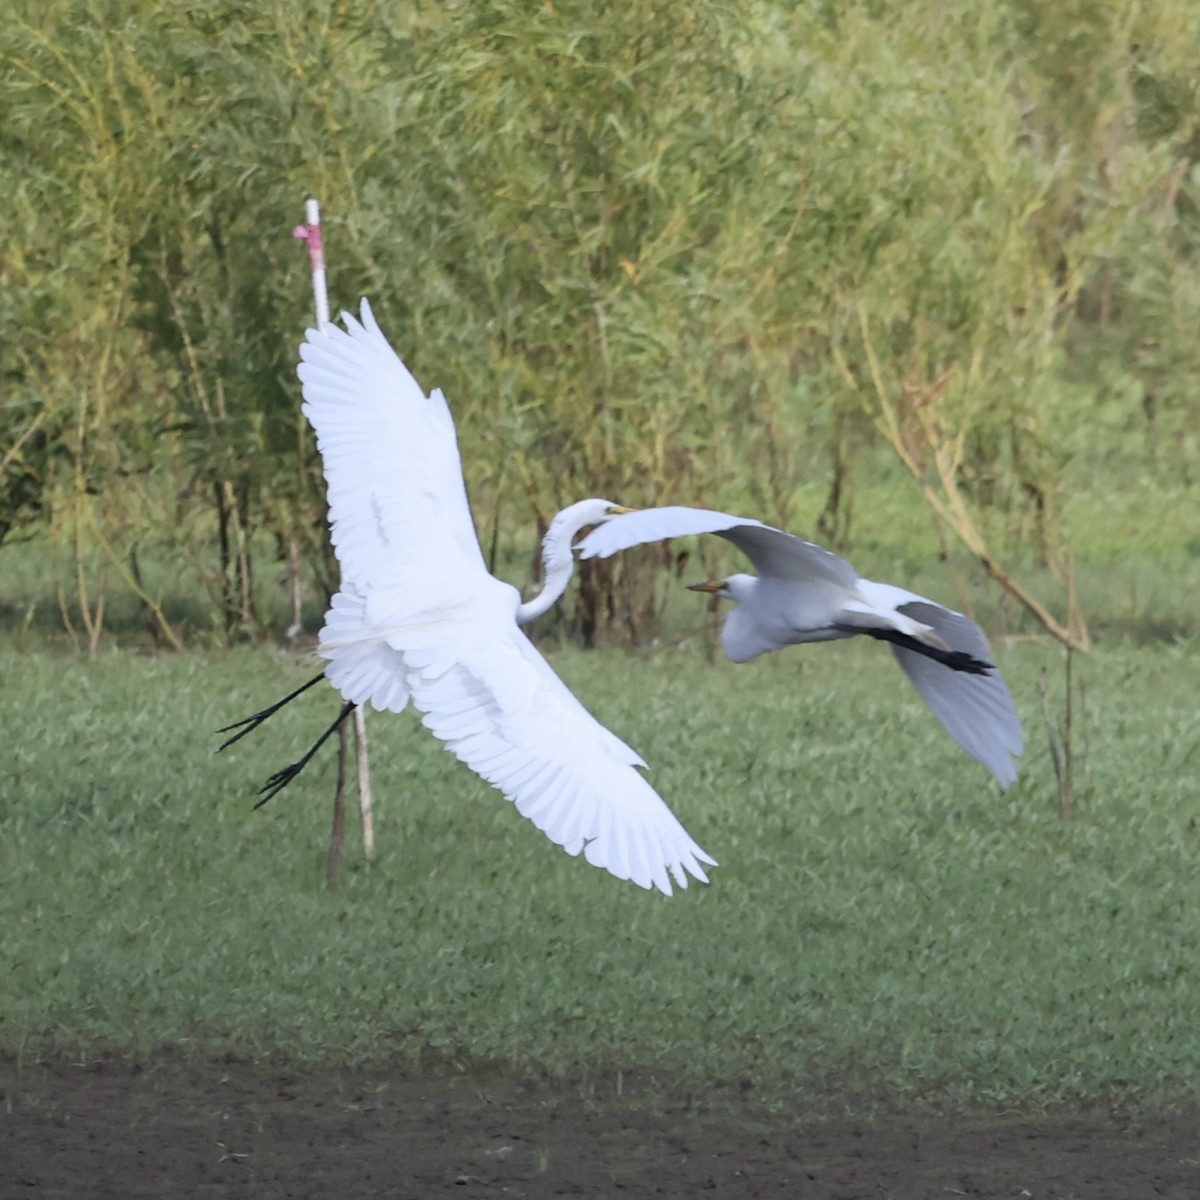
[
  {"x": 557, "y": 578},
  {"x": 558, "y": 561}
]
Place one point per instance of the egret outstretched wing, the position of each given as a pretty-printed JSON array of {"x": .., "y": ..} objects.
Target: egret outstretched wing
[
  {"x": 772, "y": 551},
  {"x": 419, "y": 618},
  {"x": 398, "y": 508},
  {"x": 500, "y": 708},
  {"x": 977, "y": 711}
]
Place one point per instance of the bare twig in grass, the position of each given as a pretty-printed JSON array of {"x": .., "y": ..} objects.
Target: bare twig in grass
[
  {"x": 1051, "y": 731},
  {"x": 337, "y": 834},
  {"x": 1061, "y": 737},
  {"x": 1066, "y": 793},
  {"x": 1085, "y": 724}
]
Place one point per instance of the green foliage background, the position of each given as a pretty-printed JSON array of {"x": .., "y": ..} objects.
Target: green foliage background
[{"x": 641, "y": 247}]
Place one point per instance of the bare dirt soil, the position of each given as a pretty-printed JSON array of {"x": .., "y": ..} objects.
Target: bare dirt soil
[{"x": 95, "y": 1130}]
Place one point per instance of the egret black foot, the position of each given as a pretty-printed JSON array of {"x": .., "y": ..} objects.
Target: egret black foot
[
  {"x": 281, "y": 779},
  {"x": 250, "y": 724},
  {"x": 956, "y": 660}
]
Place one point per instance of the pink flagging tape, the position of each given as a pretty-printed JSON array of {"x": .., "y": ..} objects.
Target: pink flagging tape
[{"x": 316, "y": 250}]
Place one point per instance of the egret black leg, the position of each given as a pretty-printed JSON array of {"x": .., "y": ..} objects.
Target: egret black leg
[
  {"x": 956, "y": 660},
  {"x": 281, "y": 779},
  {"x": 251, "y": 723}
]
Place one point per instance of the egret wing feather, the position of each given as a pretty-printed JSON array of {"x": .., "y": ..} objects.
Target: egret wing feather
[
  {"x": 780, "y": 555},
  {"x": 503, "y": 711},
  {"x": 977, "y": 711},
  {"x": 653, "y": 525},
  {"x": 398, "y": 509},
  {"x": 772, "y": 551},
  {"x": 956, "y": 629},
  {"x": 361, "y": 666}
]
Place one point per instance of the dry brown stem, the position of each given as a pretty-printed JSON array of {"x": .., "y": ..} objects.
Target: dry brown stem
[{"x": 933, "y": 455}]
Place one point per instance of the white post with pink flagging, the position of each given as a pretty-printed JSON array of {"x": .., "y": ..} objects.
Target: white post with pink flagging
[{"x": 310, "y": 233}]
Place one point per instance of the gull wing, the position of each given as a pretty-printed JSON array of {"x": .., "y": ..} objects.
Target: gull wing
[
  {"x": 977, "y": 711},
  {"x": 398, "y": 508},
  {"x": 772, "y": 551},
  {"x": 501, "y": 709}
]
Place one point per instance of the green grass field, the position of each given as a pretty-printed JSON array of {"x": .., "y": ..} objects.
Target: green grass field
[{"x": 884, "y": 917}]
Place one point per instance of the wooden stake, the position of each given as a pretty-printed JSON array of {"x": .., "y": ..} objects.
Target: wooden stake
[{"x": 337, "y": 835}]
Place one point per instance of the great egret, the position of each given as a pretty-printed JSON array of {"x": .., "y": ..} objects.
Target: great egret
[
  {"x": 558, "y": 565},
  {"x": 804, "y": 593},
  {"x": 419, "y": 618}
]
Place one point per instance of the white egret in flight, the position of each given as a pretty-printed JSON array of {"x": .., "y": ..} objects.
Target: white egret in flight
[
  {"x": 418, "y": 618},
  {"x": 803, "y": 593}
]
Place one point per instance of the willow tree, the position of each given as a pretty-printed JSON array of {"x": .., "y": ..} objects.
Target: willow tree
[{"x": 739, "y": 255}]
